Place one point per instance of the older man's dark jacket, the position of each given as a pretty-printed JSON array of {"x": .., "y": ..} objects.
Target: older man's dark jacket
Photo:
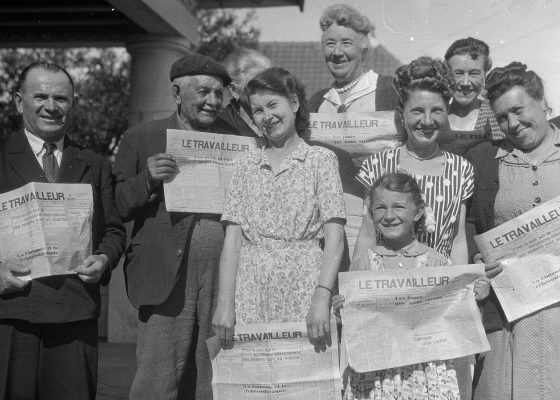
[
  {"x": 159, "y": 238},
  {"x": 63, "y": 298}
]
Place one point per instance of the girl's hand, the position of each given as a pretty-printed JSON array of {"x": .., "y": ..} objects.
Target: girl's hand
[
  {"x": 481, "y": 288},
  {"x": 337, "y": 303},
  {"x": 223, "y": 323},
  {"x": 318, "y": 319}
]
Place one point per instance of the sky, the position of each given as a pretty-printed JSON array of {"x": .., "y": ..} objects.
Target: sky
[{"x": 516, "y": 30}]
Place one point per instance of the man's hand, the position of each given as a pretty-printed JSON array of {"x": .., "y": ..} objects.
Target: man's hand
[
  {"x": 161, "y": 167},
  {"x": 10, "y": 271},
  {"x": 92, "y": 268}
]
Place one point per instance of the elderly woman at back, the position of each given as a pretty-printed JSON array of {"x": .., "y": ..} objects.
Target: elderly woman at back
[
  {"x": 471, "y": 120},
  {"x": 345, "y": 44},
  {"x": 511, "y": 177},
  {"x": 242, "y": 65}
]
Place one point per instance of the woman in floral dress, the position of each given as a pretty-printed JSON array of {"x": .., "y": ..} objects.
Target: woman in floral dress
[{"x": 283, "y": 200}]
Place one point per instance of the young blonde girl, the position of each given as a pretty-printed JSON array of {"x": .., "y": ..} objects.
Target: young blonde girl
[{"x": 397, "y": 208}]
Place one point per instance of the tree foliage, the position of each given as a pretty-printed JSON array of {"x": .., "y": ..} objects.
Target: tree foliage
[
  {"x": 102, "y": 85},
  {"x": 221, "y": 31}
]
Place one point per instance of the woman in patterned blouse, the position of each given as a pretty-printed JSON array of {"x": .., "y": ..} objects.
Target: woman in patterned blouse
[
  {"x": 283, "y": 200},
  {"x": 424, "y": 89},
  {"x": 512, "y": 177}
]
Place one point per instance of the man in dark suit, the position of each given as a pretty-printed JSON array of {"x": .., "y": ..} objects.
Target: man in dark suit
[
  {"x": 173, "y": 258},
  {"x": 48, "y": 327}
]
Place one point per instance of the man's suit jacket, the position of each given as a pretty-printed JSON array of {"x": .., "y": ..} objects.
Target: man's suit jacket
[
  {"x": 63, "y": 298},
  {"x": 158, "y": 241}
]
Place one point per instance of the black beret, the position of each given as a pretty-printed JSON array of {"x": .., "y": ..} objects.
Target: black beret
[{"x": 198, "y": 64}]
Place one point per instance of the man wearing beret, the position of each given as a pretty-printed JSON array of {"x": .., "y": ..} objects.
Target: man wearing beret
[{"x": 173, "y": 258}]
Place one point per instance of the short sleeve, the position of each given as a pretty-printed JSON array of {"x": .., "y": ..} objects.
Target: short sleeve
[
  {"x": 329, "y": 188},
  {"x": 468, "y": 179},
  {"x": 233, "y": 208},
  {"x": 370, "y": 171}
]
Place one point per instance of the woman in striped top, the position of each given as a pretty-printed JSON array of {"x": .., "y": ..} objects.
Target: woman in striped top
[{"x": 446, "y": 180}]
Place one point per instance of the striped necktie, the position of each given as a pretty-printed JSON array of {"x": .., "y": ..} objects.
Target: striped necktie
[{"x": 50, "y": 165}]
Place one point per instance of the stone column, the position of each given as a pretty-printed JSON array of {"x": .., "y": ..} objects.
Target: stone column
[{"x": 150, "y": 88}]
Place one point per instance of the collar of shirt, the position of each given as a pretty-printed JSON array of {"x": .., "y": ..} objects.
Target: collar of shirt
[
  {"x": 414, "y": 249},
  {"x": 36, "y": 144},
  {"x": 300, "y": 153},
  {"x": 366, "y": 84},
  {"x": 507, "y": 148}
]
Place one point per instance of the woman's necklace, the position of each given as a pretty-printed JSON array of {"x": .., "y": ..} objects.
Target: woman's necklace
[
  {"x": 349, "y": 86},
  {"x": 421, "y": 158}
]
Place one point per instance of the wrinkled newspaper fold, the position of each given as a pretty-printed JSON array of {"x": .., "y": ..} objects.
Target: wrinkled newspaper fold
[
  {"x": 395, "y": 318},
  {"x": 528, "y": 248},
  {"x": 205, "y": 162},
  {"x": 46, "y": 227},
  {"x": 274, "y": 361},
  {"x": 359, "y": 134}
]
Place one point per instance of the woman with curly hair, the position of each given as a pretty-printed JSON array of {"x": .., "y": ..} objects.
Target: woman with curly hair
[
  {"x": 345, "y": 43},
  {"x": 283, "y": 200},
  {"x": 424, "y": 88},
  {"x": 471, "y": 120},
  {"x": 512, "y": 177}
]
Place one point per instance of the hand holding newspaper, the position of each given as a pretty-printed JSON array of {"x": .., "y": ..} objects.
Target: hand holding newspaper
[
  {"x": 395, "y": 318},
  {"x": 274, "y": 361},
  {"x": 46, "y": 227},
  {"x": 528, "y": 248},
  {"x": 205, "y": 162}
]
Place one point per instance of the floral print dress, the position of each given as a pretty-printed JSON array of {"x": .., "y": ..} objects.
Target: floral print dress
[
  {"x": 435, "y": 380},
  {"x": 281, "y": 214}
]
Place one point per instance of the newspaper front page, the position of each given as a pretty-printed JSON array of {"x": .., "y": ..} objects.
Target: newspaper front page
[
  {"x": 396, "y": 318},
  {"x": 274, "y": 361},
  {"x": 358, "y": 134},
  {"x": 205, "y": 162},
  {"x": 528, "y": 248},
  {"x": 46, "y": 227}
]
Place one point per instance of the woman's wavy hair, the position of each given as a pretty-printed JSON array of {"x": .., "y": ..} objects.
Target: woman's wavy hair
[
  {"x": 402, "y": 183},
  {"x": 424, "y": 73},
  {"x": 279, "y": 81},
  {"x": 345, "y": 15},
  {"x": 502, "y": 79},
  {"x": 472, "y": 47}
]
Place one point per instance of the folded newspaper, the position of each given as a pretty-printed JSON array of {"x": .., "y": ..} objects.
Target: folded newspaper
[
  {"x": 205, "y": 162},
  {"x": 359, "y": 134},
  {"x": 274, "y": 361},
  {"x": 46, "y": 227},
  {"x": 396, "y": 318},
  {"x": 528, "y": 248}
]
